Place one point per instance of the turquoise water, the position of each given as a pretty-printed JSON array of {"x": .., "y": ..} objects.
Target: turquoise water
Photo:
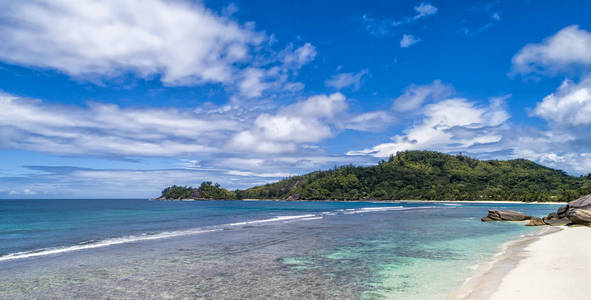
[{"x": 244, "y": 249}]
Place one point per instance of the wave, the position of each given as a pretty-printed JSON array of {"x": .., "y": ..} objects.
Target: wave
[
  {"x": 104, "y": 243},
  {"x": 380, "y": 209},
  {"x": 92, "y": 244},
  {"x": 275, "y": 219}
]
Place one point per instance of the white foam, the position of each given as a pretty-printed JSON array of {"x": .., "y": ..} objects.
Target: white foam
[
  {"x": 380, "y": 209},
  {"x": 311, "y": 218},
  {"x": 275, "y": 219},
  {"x": 103, "y": 243}
]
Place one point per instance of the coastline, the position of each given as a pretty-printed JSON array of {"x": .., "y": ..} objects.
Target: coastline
[
  {"x": 399, "y": 201},
  {"x": 479, "y": 201},
  {"x": 553, "y": 263}
]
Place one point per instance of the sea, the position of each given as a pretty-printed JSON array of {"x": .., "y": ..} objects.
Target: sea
[{"x": 150, "y": 249}]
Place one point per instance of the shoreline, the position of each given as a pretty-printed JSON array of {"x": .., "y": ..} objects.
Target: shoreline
[
  {"x": 479, "y": 201},
  {"x": 549, "y": 264},
  {"x": 489, "y": 274},
  {"x": 379, "y": 201}
]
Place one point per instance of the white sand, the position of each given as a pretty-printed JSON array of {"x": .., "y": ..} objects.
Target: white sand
[{"x": 555, "y": 266}]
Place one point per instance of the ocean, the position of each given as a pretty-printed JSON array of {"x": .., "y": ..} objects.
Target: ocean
[{"x": 147, "y": 249}]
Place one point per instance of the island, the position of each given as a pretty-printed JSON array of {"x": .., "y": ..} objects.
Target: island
[
  {"x": 206, "y": 191},
  {"x": 412, "y": 175}
]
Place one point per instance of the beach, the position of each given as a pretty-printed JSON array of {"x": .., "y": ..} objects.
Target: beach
[{"x": 555, "y": 264}]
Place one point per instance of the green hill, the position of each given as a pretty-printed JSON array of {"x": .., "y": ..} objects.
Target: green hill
[
  {"x": 427, "y": 175},
  {"x": 422, "y": 175}
]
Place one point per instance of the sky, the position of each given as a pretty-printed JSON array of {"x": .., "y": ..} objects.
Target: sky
[{"x": 121, "y": 98}]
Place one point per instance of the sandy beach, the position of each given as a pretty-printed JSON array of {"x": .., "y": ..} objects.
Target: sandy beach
[{"x": 554, "y": 265}]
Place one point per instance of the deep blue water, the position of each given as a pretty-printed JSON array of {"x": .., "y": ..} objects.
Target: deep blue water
[{"x": 85, "y": 248}]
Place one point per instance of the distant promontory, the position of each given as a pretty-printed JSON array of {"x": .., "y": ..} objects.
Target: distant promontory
[{"x": 417, "y": 175}]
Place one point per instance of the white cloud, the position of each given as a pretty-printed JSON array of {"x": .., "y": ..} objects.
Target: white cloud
[
  {"x": 450, "y": 125},
  {"x": 298, "y": 129},
  {"x": 570, "y": 105},
  {"x": 408, "y": 40},
  {"x": 108, "y": 130},
  {"x": 300, "y": 56},
  {"x": 185, "y": 42},
  {"x": 319, "y": 106},
  {"x": 415, "y": 95},
  {"x": 181, "y": 42},
  {"x": 302, "y": 122},
  {"x": 567, "y": 49},
  {"x": 573, "y": 162},
  {"x": 26, "y": 192},
  {"x": 370, "y": 121},
  {"x": 425, "y": 10},
  {"x": 252, "y": 84},
  {"x": 29, "y": 192},
  {"x": 343, "y": 80}
]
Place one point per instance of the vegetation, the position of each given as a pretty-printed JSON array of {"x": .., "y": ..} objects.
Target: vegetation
[
  {"x": 206, "y": 190},
  {"x": 427, "y": 175},
  {"x": 421, "y": 175}
]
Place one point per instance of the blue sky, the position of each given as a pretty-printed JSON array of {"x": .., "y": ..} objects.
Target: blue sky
[{"x": 122, "y": 98}]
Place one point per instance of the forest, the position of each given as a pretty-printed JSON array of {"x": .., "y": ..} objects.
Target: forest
[{"x": 415, "y": 175}]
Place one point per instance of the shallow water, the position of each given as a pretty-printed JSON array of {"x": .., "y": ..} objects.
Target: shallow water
[{"x": 56, "y": 249}]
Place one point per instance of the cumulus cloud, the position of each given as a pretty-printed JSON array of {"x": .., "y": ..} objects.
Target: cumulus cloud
[
  {"x": 343, "y": 80},
  {"x": 252, "y": 84},
  {"x": 565, "y": 143},
  {"x": 454, "y": 124},
  {"x": 304, "y": 121},
  {"x": 298, "y": 126},
  {"x": 107, "y": 130},
  {"x": 570, "y": 105},
  {"x": 568, "y": 49},
  {"x": 181, "y": 42},
  {"x": 186, "y": 42},
  {"x": 408, "y": 40},
  {"x": 300, "y": 56},
  {"x": 415, "y": 95}
]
